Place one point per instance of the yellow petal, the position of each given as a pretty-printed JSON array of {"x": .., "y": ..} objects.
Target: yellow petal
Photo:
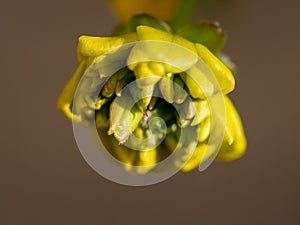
[
  {"x": 234, "y": 144},
  {"x": 196, "y": 158},
  {"x": 149, "y": 33},
  {"x": 221, "y": 72},
  {"x": 156, "y": 45},
  {"x": 130, "y": 37},
  {"x": 65, "y": 98},
  {"x": 96, "y": 46}
]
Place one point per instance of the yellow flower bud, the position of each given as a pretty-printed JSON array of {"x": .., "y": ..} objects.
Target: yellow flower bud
[{"x": 181, "y": 76}]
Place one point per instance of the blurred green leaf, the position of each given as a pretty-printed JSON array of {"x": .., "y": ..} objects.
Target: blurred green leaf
[
  {"x": 146, "y": 20},
  {"x": 206, "y": 33},
  {"x": 183, "y": 12},
  {"x": 120, "y": 30}
]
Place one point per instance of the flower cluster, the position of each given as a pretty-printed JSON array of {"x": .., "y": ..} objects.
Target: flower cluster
[{"x": 171, "y": 74}]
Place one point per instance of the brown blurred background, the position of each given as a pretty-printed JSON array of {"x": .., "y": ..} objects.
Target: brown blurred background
[{"x": 44, "y": 178}]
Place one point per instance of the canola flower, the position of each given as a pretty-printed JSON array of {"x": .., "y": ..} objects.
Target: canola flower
[{"x": 120, "y": 127}]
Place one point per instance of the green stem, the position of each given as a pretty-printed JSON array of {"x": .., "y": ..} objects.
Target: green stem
[{"x": 183, "y": 12}]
